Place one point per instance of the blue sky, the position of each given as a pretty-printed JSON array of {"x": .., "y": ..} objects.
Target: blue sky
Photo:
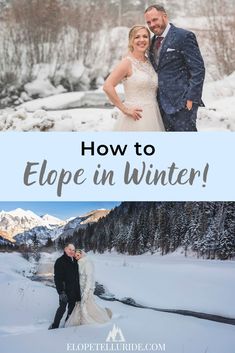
[{"x": 62, "y": 210}]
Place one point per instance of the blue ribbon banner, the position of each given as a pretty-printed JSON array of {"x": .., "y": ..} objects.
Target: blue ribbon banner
[{"x": 117, "y": 166}]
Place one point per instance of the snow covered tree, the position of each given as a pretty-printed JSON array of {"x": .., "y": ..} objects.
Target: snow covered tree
[
  {"x": 35, "y": 248},
  {"x": 120, "y": 241},
  {"x": 39, "y": 23},
  {"x": 220, "y": 16},
  {"x": 137, "y": 227},
  {"x": 226, "y": 248},
  {"x": 151, "y": 230},
  {"x": 210, "y": 241},
  {"x": 135, "y": 244},
  {"x": 49, "y": 243}
]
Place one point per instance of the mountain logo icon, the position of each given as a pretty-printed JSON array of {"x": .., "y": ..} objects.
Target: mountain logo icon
[{"x": 115, "y": 335}]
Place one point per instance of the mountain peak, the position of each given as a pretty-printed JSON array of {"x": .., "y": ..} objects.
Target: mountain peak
[
  {"x": 19, "y": 221},
  {"x": 52, "y": 220},
  {"x": 19, "y": 212},
  {"x": 94, "y": 216}
]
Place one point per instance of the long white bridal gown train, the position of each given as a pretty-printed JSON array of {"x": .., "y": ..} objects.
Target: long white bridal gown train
[
  {"x": 87, "y": 311},
  {"x": 140, "y": 90}
]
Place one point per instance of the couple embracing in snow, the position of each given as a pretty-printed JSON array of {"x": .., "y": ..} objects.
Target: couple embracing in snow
[
  {"x": 75, "y": 284},
  {"x": 162, "y": 77}
]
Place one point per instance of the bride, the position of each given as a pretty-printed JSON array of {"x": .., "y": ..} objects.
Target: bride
[
  {"x": 140, "y": 111},
  {"x": 87, "y": 311}
]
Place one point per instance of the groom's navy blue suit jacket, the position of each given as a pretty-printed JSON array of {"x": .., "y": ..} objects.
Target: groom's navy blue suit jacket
[{"x": 180, "y": 70}]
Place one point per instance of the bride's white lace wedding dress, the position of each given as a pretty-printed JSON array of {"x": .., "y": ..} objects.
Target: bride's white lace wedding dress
[
  {"x": 140, "y": 91},
  {"x": 87, "y": 311}
]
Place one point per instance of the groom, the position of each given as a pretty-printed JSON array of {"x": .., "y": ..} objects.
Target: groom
[
  {"x": 175, "y": 56},
  {"x": 67, "y": 284}
]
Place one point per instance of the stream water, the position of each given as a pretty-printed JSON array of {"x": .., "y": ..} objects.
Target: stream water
[{"x": 45, "y": 275}]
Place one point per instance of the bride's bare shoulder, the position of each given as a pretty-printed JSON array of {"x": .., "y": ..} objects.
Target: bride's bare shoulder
[
  {"x": 125, "y": 66},
  {"x": 124, "y": 63}
]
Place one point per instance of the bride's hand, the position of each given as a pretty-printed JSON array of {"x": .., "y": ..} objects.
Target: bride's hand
[{"x": 134, "y": 113}]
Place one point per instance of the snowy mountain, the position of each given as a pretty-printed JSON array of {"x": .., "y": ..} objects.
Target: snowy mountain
[
  {"x": 19, "y": 221},
  {"x": 24, "y": 227},
  {"x": 4, "y": 241},
  {"x": 82, "y": 221},
  {"x": 70, "y": 227},
  {"x": 94, "y": 216},
  {"x": 40, "y": 234},
  {"x": 51, "y": 220}
]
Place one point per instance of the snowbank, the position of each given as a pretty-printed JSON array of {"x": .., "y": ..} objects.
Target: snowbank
[
  {"x": 42, "y": 88},
  {"x": 219, "y": 98},
  {"x": 59, "y": 113},
  {"x": 67, "y": 120},
  {"x": 30, "y": 306},
  {"x": 170, "y": 281},
  {"x": 218, "y": 90},
  {"x": 71, "y": 100}
]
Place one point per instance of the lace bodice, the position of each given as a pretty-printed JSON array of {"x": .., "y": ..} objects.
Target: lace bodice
[{"x": 141, "y": 86}]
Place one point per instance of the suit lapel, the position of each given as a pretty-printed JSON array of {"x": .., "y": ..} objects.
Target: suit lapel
[
  {"x": 167, "y": 43},
  {"x": 151, "y": 53}
]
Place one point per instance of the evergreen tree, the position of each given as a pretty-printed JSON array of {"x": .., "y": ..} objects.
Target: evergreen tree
[
  {"x": 138, "y": 227},
  {"x": 35, "y": 248},
  {"x": 135, "y": 245},
  {"x": 49, "y": 243},
  {"x": 120, "y": 242},
  {"x": 226, "y": 246}
]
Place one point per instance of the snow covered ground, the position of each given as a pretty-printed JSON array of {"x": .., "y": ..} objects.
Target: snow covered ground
[
  {"x": 73, "y": 111},
  {"x": 61, "y": 112},
  {"x": 170, "y": 281}
]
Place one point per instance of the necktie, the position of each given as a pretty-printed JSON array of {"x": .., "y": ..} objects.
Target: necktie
[{"x": 159, "y": 42}]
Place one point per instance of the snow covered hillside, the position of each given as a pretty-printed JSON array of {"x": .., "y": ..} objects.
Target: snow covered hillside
[
  {"x": 81, "y": 222},
  {"x": 22, "y": 226},
  {"x": 29, "y": 306},
  {"x": 219, "y": 98},
  {"x": 94, "y": 216},
  {"x": 19, "y": 221}
]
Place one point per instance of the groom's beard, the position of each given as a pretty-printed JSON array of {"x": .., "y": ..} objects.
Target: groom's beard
[{"x": 158, "y": 30}]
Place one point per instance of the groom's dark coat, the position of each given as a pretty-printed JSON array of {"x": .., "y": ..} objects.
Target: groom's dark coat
[
  {"x": 180, "y": 70},
  {"x": 66, "y": 277}
]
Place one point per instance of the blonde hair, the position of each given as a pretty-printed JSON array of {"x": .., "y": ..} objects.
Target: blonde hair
[{"x": 133, "y": 32}]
